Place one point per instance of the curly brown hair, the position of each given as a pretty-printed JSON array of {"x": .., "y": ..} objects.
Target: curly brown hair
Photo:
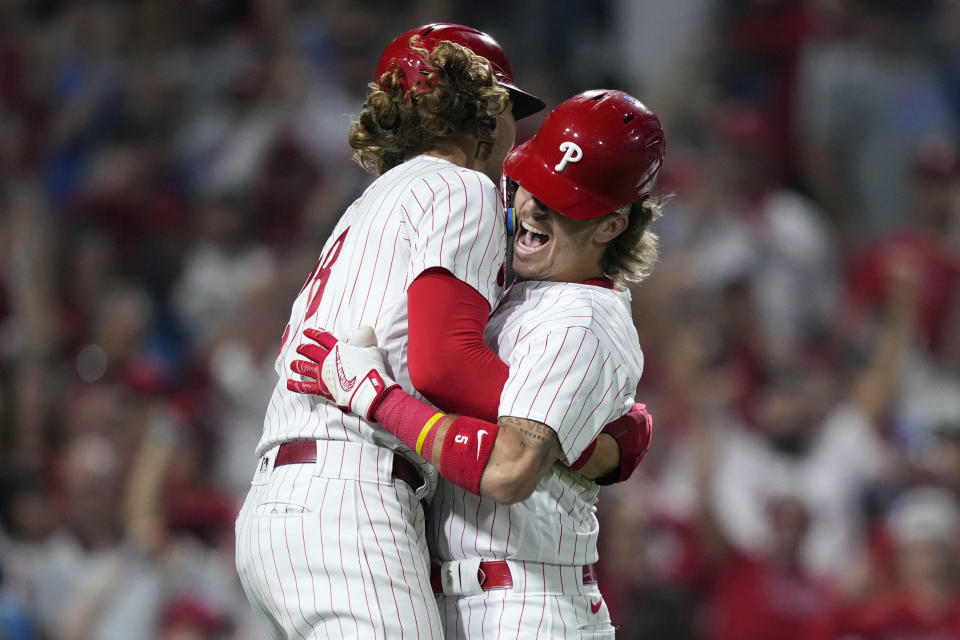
[
  {"x": 395, "y": 123},
  {"x": 630, "y": 257}
]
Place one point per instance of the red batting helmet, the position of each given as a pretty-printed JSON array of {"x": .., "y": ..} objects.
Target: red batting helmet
[
  {"x": 415, "y": 69},
  {"x": 594, "y": 153}
]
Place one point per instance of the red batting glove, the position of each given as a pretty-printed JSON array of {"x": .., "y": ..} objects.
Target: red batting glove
[
  {"x": 351, "y": 374},
  {"x": 310, "y": 369},
  {"x": 633, "y": 433}
]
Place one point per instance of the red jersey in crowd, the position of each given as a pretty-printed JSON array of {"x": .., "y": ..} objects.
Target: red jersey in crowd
[
  {"x": 755, "y": 600},
  {"x": 897, "y": 617}
]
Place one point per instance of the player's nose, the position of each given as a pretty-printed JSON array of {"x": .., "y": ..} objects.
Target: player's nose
[{"x": 535, "y": 210}]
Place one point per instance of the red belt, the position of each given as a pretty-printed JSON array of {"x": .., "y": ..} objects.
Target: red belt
[
  {"x": 495, "y": 574},
  {"x": 304, "y": 451}
]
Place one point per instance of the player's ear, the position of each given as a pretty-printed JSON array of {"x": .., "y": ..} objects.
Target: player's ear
[{"x": 611, "y": 226}]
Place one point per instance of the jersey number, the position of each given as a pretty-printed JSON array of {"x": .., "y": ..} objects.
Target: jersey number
[{"x": 317, "y": 281}]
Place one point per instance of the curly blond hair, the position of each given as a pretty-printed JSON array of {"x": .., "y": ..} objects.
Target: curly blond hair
[
  {"x": 395, "y": 123},
  {"x": 630, "y": 257}
]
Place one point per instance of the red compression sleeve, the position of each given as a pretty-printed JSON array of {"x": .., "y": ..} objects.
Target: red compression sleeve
[{"x": 448, "y": 360}]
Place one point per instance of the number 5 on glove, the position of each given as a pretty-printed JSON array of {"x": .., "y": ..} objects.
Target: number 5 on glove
[{"x": 351, "y": 375}]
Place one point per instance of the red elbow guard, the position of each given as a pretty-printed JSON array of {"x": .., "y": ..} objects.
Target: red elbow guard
[
  {"x": 466, "y": 450},
  {"x": 633, "y": 433}
]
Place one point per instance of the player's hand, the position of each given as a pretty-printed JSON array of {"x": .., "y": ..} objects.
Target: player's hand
[
  {"x": 350, "y": 374},
  {"x": 309, "y": 370},
  {"x": 633, "y": 433}
]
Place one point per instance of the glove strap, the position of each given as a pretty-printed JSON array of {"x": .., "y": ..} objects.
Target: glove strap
[{"x": 370, "y": 392}]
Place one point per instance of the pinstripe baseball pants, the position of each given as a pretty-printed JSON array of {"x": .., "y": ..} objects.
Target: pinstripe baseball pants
[{"x": 336, "y": 557}]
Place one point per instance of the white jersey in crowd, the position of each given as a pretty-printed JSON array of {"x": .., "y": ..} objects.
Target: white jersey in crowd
[
  {"x": 575, "y": 362},
  {"x": 400, "y": 227}
]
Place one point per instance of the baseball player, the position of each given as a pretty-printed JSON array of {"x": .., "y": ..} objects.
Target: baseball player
[
  {"x": 516, "y": 535},
  {"x": 331, "y": 539}
]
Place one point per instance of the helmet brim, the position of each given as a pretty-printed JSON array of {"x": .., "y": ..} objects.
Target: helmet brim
[
  {"x": 524, "y": 104},
  {"x": 552, "y": 188}
]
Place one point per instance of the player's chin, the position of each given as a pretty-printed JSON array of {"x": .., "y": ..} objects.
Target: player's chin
[{"x": 526, "y": 269}]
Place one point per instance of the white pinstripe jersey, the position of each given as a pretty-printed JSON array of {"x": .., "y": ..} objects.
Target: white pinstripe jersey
[
  {"x": 424, "y": 213},
  {"x": 575, "y": 362}
]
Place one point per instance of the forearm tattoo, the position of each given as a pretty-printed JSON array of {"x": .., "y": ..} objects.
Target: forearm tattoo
[{"x": 534, "y": 435}]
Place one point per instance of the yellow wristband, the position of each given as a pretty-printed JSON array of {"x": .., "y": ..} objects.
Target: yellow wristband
[{"x": 426, "y": 429}]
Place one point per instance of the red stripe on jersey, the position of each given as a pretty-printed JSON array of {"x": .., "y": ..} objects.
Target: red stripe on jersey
[
  {"x": 366, "y": 560},
  {"x": 293, "y": 573},
  {"x": 469, "y": 612},
  {"x": 479, "y": 219},
  {"x": 366, "y": 594},
  {"x": 426, "y": 244},
  {"x": 386, "y": 284},
  {"x": 463, "y": 530},
  {"x": 433, "y": 199},
  {"x": 543, "y": 610},
  {"x": 602, "y": 398},
  {"x": 414, "y": 194},
  {"x": 589, "y": 393},
  {"x": 547, "y": 374},
  {"x": 493, "y": 230},
  {"x": 523, "y": 602},
  {"x": 446, "y": 220},
  {"x": 323, "y": 555},
  {"x": 340, "y": 543},
  {"x": 519, "y": 319},
  {"x": 562, "y": 382},
  {"x": 585, "y": 373},
  {"x": 263, "y": 567},
  {"x": 476, "y": 538},
  {"x": 559, "y": 612},
  {"x": 483, "y": 620},
  {"x": 283, "y": 595},
  {"x": 493, "y": 524},
  {"x": 423, "y": 581},
  {"x": 409, "y": 219},
  {"x": 376, "y": 261},
  {"x": 546, "y": 343},
  {"x": 396, "y": 546},
  {"x": 623, "y": 355},
  {"x": 363, "y": 254},
  {"x": 313, "y": 580},
  {"x": 506, "y": 545},
  {"x": 383, "y": 556},
  {"x": 573, "y": 555},
  {"x": 551, "y": 320},
  {"x": 503, "y": 606},
  {"x": 453, "y": 511},
  {"x": 560, "y": 518},
  {"x": 466, "y": 207},
  {"x": 303, "y": 537}
]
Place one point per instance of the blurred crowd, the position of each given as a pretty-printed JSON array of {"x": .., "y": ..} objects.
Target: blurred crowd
[{"x": 169, "y": 172}]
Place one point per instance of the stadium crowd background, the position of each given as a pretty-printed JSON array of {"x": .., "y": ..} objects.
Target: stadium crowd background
[{"x": 169, "y": 172}]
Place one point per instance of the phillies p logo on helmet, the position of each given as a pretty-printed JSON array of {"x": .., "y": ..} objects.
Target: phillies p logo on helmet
[{"x": 571, "y": 153}]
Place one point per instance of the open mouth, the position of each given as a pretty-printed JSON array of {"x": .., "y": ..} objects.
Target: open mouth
[{"x": 530, "y": 239}]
